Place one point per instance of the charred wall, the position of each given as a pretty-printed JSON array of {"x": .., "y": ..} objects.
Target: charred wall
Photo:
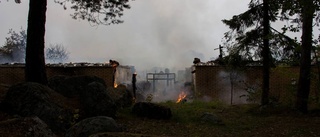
[
  {"x": 12, "y": 74},
  {"x": 214, "y": 81}
]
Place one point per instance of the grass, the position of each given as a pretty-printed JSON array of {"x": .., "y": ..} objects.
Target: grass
[
  {"x": 239, "y": 120},
  {"x": 190, "y": 112}
]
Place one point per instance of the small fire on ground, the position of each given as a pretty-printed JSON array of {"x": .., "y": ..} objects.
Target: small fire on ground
[{"x": 181, "y": 97}]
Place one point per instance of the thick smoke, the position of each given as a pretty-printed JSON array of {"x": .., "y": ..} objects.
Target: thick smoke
[{"x": 157, "y": 33}]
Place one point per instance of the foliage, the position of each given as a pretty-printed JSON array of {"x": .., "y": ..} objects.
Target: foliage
[
  {"x": 235, "y": 64},
  {"x": 253, "y": 92},
  {"x": 14, "y": 47},
  {"x": 91, "y": 10},
  {"x": 57, "y": 53},
  {"x": 83, "y": 9},
  {"x": 246, "y": 35}
]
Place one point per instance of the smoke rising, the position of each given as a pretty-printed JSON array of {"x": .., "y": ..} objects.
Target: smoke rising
[
  {"x": 162, "y": 33},
  {"x": 163, "y": 92},
  {"x": 236, "y": 80}
]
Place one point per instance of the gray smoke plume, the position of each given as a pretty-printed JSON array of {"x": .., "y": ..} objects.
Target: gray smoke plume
[{"x": 155, "y": 33}]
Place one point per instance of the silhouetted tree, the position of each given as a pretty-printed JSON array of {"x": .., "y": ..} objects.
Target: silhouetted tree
[
  {"x": 14, "y": 47},
  {"x": 90, "y": 10},
  {"x": 266, "y": 54},
  {"x": 35, "y": 63},
  {"x": 56, "y": 53},
  {"x": 308, "y": 9},
  {"x": 306, "y": 12},
  {"x": 235, "y": 65},
  {"x": 280, "y": 45},
  {"x": 258, "y": 16}
]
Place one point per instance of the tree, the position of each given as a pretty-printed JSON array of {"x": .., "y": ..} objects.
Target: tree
[
  {"x": 265, "y": 54},
  {"x": 56, "y": 53},
  {"x": 304, "y": 11},
  {"x": 86, "y": 9},
  {"x": 235, "y": 65},
  {"x": 35, "y": 64},
  {"x": 308, "y": 9},
  {"x": 259, "y": 16},
  {"x": 14, "y": 47}
]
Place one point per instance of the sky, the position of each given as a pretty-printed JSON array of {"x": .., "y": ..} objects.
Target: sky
[{"x": 155, "y": 33}]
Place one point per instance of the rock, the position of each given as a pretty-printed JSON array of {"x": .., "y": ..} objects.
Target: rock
[
  {"x": 211, "y": 119},
  {"x": 91, "y": 92},
  {"x": 123, "y": 98},
  {"x": 97, "y": 102},
  {"x": 73, "y": 86},
  {"x": 26, "y": 126},
  {"x": 33, "y": 99},
  {"x": 151, "y": 110},
  {"x": 55, "y": 81},
  {"x": 93, "y": 125},
  {"x": 140, "y": 98}
]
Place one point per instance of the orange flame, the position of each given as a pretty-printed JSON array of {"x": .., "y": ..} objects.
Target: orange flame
[
  {"x": 182, "y": 96},
  {"x": 115, "y": 85}
]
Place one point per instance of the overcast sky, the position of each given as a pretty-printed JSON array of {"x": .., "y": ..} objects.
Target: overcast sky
[{"x": 162, "y": 33}]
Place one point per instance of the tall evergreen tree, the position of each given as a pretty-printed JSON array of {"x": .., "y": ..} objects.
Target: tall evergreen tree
[
  {"x": 265, "y": 54},
  {"x": 307, "y": 12},
  {"x": 303, "y": 12},
  {"x": 258, "y": 17},
  {"x": 308, "y": 9}
]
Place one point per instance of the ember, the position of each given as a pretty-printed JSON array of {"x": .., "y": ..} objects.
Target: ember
[
  {"x": 115, "y": 85},
  {"x": 181, "y": 97}
]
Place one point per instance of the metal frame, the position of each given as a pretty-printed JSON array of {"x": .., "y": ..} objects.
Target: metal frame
[{"x": 160, "y": 76}]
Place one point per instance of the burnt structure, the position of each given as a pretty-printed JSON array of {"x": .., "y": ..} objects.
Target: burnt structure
[
  {"x": 214, "y": 81},
  {"x": 14, "y": 73},
  {"x": 168, "y": 77}
]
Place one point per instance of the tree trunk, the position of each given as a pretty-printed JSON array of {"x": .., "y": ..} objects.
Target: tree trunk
[
  {"x": 305, "y": 61},
  {"x": 265, "y": 54},
  {"x": 35, "y": 62}
]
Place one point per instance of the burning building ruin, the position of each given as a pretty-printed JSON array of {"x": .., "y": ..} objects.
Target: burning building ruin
[{"x": 14, "y": 73}]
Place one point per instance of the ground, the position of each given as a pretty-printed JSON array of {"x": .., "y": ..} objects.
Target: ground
[{"x": 238, "y": 120}]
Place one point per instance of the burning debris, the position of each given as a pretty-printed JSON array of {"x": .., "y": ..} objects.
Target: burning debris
[
  {"x": 79, "y": 64},
  {"x": 115, "y": 85},
  {"x": 197, "y": 61},
  {"x": 182, "y": 97},
  {"x": 114, "y": 65}
]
